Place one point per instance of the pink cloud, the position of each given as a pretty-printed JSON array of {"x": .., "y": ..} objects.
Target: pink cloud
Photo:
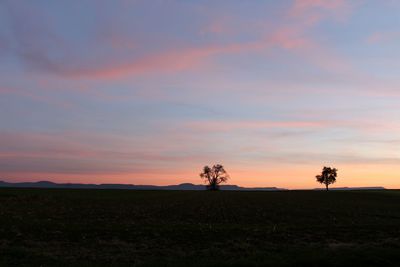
[
  {"x": 289, "y": 34},
  {"x": 225, "y": 126},
  {"x": 96, "y": 158},
  {"x": 383, "y": 37},
  {"x": 168, "y": 61},
  {"x": 302, "y": 8},
  {"x": 326, "y": 4},
  {"x": 75, "y": 151},
  {"x": 219, "y": 26},
  {"x": 188, "y": 58}
]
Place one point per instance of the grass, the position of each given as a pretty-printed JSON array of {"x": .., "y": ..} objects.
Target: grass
[{"x": 56, "y": 227}]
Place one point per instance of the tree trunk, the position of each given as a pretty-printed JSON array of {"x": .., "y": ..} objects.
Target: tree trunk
[
  {"x": 213, "y": 186},
  {"x": 327, "y": 189}
]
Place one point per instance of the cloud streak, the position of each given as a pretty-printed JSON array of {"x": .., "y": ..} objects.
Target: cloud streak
[{"x": 44, "y": 49}]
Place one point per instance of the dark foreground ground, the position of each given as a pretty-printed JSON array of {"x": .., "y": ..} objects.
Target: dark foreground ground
[{"x": 40, "y": 227}]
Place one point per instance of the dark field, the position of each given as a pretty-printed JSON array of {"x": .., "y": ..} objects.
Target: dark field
[{"x": 40, "y": 227}]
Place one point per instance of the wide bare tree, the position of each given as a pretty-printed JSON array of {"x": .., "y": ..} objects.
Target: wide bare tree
[
  {"x": 327, "y": 176},
  {"x": 214, "y": 176}
]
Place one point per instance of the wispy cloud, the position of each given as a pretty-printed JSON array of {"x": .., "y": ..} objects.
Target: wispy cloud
[{"x": 45, "y": 49}]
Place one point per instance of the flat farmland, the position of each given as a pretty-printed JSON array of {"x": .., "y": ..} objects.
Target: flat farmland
[{"x": 57, "y": 227}]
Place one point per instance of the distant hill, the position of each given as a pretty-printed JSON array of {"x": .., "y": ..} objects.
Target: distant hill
[{"x": 184, "y": 186}]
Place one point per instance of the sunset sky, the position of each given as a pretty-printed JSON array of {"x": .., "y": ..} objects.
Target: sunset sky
[{"x": 148, "y": 92}]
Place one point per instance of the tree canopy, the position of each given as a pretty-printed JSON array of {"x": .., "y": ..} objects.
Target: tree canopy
[
  {"x": 327, "y": 176},
  {"x": 214, "y": 176}
]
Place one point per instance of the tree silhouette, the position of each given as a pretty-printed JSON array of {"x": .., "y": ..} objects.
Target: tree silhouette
[
  {"x": 214, "y": 176},
  {"x": 327, "y": 177}
]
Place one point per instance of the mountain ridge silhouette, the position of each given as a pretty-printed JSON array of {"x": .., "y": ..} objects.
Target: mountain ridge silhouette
[{"x": 182, "y": 186}]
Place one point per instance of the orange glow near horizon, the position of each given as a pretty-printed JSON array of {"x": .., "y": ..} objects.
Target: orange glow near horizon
[{"x": 297, "y": 177}]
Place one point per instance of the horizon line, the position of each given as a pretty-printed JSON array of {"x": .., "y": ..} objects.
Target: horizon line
[{"x": 192, "y": 184}]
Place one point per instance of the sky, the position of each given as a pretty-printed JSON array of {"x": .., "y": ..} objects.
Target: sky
[{"x": 148, "y": 92}]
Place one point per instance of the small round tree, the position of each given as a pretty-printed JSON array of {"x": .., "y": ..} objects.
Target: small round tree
[
  {"x": 214, "y": 176},
  {"x": 327, "y": 176}
]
